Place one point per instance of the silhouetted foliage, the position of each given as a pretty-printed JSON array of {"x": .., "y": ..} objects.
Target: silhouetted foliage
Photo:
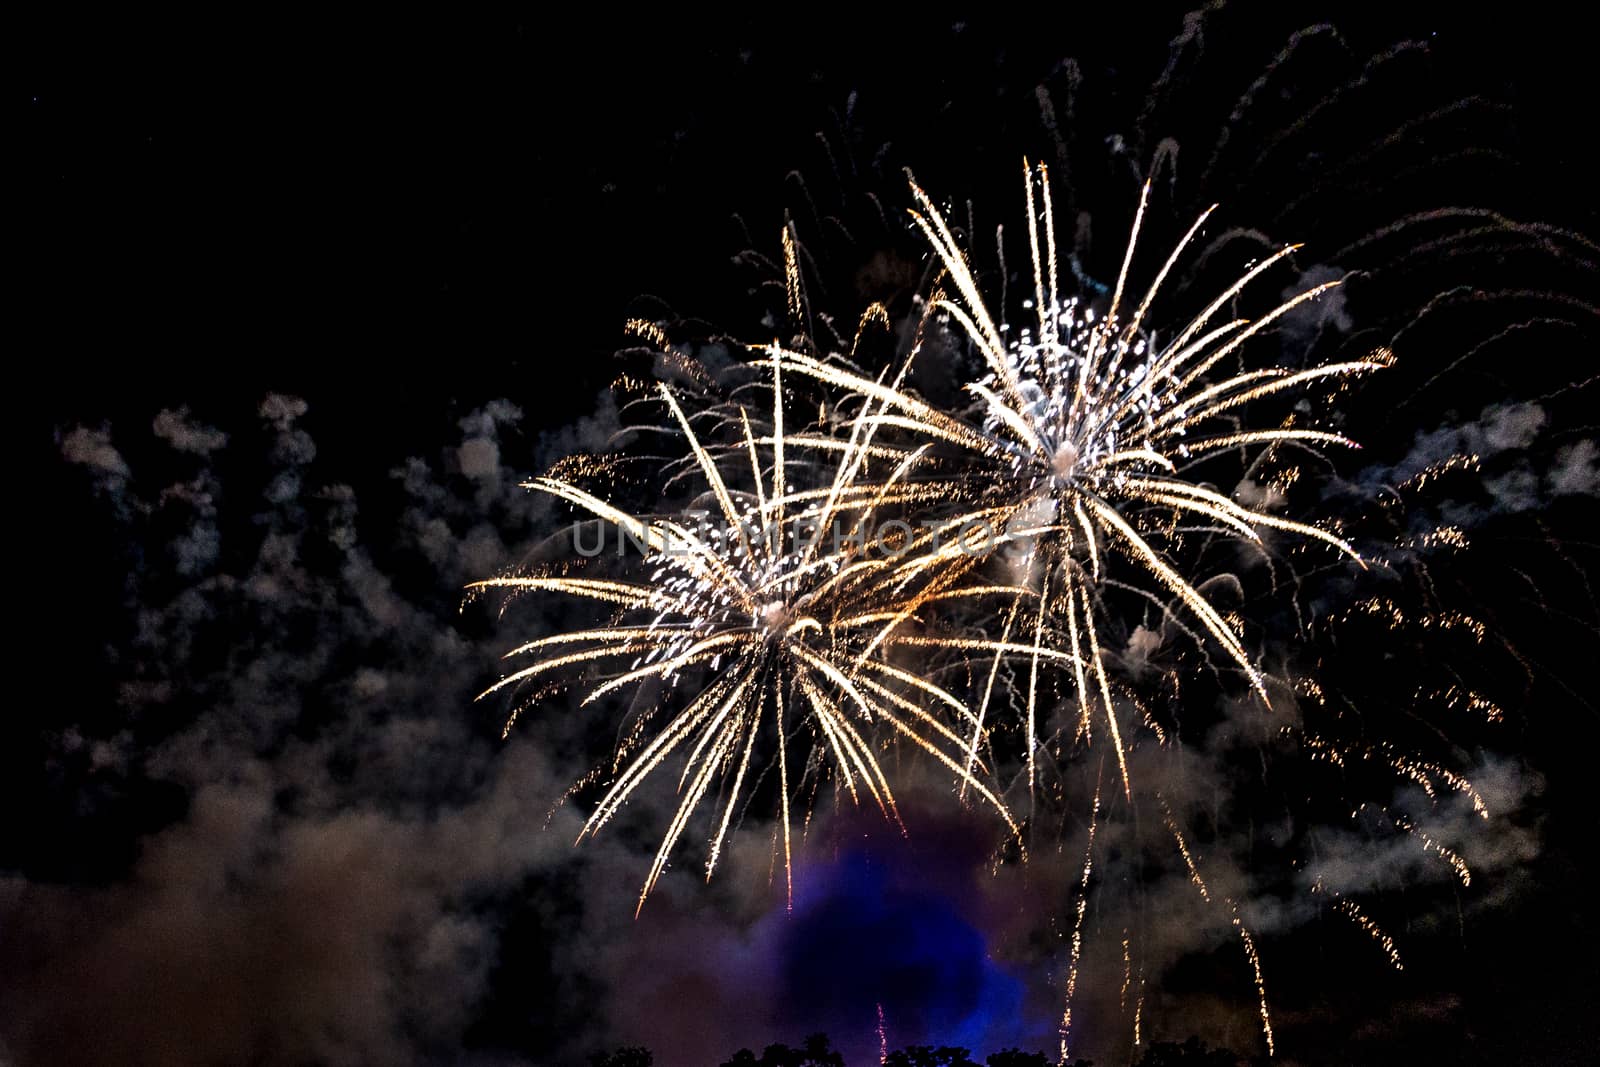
[
  {"x": 1192, "y": 1053},
  {"x": 928, "y": 1056},
  {"x": 623, "y": 1057},
  {"x": 1012, "y": 1057},
  {"x": 815, "y": 1052}
]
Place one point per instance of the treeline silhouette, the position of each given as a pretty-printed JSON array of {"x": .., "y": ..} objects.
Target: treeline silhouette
[{"x": 817, "y": 1051}]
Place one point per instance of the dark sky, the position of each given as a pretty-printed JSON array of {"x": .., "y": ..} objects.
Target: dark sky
[{"x": 299, "y": 302}]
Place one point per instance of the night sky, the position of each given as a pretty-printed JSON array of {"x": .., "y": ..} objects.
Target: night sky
[{"x": 300, "y": 305}]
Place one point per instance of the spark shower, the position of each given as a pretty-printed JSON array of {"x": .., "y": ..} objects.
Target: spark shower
[{"x": 1085, "y": 449}]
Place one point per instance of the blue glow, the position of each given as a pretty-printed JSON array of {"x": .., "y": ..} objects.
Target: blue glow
[{"x": 863, "y": 934}]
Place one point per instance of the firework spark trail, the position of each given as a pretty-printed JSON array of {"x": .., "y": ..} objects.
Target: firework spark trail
[
  {"x": 1077, "y": 923},
  {"x": 988, "y": 692},
  {"x": 1127, "y": 971},
  {"x": 1255, "y": 967},
  {"x": 1234, "y": 917},
  {"x": 1353, "y": 911},
  {"x": 1138, "y": 1012},
  {"x": 1418, "y": 771},
  {"x": 1429, "y": 843},
  {"x": 1128, "y": 986}
]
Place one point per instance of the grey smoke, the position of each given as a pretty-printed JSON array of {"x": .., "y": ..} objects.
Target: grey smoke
[
  {"x": 1520, "y": 472},
  {"x": 349, "y": 815}
]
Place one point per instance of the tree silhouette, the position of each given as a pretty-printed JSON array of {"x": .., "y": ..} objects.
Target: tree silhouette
[
  {"x": 928, "y": 1056},
  {"x": 815, "y": 1052},
  {"x": 946, "y": 1056},
  {"x": 1012, "y": 1057},
  {"x": 623, "y": 1057},
  {"x": 1192, "y": 1053}
]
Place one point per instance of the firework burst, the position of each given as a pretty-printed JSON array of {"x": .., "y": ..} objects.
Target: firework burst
[
  {"x": 781, "y": 632},
  {"x": 1084, "y": 427},
  {"x": 1078, "y": 453}
]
